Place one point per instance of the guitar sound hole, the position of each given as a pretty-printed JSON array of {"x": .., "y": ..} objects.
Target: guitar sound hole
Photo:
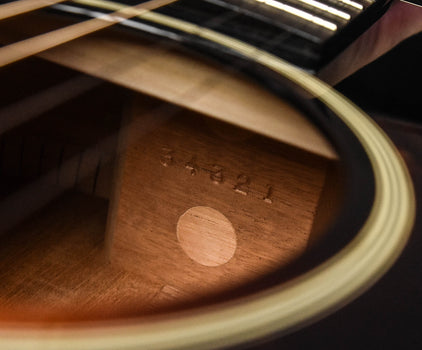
[{"x": 93, "y": 196}]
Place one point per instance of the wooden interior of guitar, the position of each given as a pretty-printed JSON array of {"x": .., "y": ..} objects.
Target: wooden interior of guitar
[{"x": 116, "y": 204}]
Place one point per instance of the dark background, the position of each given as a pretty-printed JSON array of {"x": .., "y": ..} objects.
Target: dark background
[
  {"x": 389, "y": 315},
  {"x": 392, "y": 84}
]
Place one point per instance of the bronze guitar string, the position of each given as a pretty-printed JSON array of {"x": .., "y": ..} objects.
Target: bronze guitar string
[
  {"x": 20, "y": 7},
  {"x": 32, "y": 46}
]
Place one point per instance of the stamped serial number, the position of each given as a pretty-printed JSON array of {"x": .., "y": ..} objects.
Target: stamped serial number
[{"x": 216, "y": 174}]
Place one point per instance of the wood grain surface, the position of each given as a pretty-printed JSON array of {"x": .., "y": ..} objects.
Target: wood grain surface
[
  {"x": 53, "y": 269},
  {"x": 175, "y": 161}
]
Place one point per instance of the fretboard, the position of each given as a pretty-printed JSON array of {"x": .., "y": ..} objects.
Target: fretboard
[{"x": 307, "y": 33}]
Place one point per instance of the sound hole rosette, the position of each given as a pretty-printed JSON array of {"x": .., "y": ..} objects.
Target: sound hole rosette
[{"x": 284, "y": 308}]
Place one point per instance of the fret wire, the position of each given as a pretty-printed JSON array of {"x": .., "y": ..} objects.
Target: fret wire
[
  {"x": 327, "y": 8},
  {"x": 19, "y": 7},
  {"x": 300, "y": 14},
  {"x": 32, "y": 46},
  {"x": 353, "y": 4}
]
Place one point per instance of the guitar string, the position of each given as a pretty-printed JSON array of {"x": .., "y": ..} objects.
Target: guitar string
[
  {"x": 32, "y": 46},
  {"x": 20, "y": 7}
]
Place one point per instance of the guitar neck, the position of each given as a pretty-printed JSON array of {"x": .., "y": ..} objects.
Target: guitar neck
[{"x": 307, "y": 33}]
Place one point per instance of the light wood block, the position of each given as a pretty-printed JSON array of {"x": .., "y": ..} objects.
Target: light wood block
[{"x": 244, "y": 202}]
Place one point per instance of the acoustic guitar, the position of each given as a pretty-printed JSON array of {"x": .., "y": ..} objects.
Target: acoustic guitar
[{"x": 174, "y": 177}]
